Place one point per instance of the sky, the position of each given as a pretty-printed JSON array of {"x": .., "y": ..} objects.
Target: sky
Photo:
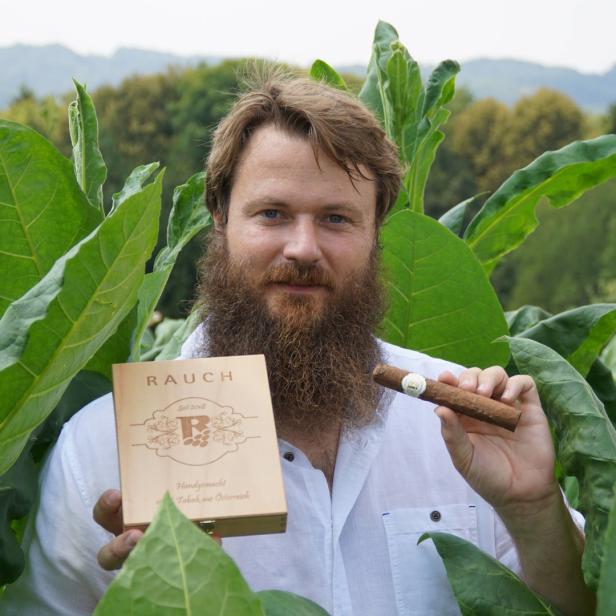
[{"x": 567, "y": 33}]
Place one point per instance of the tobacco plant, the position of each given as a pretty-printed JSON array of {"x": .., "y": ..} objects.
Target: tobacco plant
[{"x": 75, "y": 297}]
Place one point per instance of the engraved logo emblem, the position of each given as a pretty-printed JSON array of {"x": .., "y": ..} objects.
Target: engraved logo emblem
[{"x": 193, "y": 431}]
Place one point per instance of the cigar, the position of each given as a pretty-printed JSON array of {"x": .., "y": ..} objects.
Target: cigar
[{"x": 459, "y": 400}]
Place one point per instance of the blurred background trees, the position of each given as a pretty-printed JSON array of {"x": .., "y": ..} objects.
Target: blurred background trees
[{"x": 570, "y": 260}]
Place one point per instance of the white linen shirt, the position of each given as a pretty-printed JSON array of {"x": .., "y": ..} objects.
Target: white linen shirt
[{"x": 353, "y": 551}]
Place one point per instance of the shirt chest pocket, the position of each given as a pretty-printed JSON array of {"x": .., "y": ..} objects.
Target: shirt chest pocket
[{"x": 419, "y": 577}]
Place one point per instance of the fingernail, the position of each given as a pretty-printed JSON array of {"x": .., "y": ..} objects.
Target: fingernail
[
  {"x": 130, "y": 541},
  {"x": 112, "y": 499}
]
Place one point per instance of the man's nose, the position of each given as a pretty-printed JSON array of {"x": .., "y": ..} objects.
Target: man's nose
[{"x": 303, "y": 242}]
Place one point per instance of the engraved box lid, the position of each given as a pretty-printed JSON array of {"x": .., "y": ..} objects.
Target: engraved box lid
[{"x": 202, "y": 429}]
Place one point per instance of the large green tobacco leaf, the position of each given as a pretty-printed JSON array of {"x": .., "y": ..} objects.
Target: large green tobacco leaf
[
  {"x": 606, "y": 593},
  {"x": 422, "y": 137},
  {"x": 508, "y": 216},
  {"x": 279, "y": 603},
  {"x": 524, "y": 318},
  {"x": 188, "y": 216},
  {"x": 88, "y": 162},
  {"x": 609, "y": 356},
  {"x": 17, "y": 492},
  {"x": 371, "y": 92},
  {"x": 410, "y": 115},
  {"x": 441, "y": 301},
  {"x": 43, "y": 212},
  {"x": 579, "y": 335},
  {"x": 457, "y": 217},
  {"x": 51, "y": 332},
  {"x": 169, "y": 337},
  {"x": 134, "y": 183},
  {"x": 483, "y": 586},
  {"x": 603, "y": 384},
  {"x": 176, "y": 569},
  {"x": 117, "y": 347},
  {"x": 18, "y": 486},
  {"x": 321, "y": 71},
  {"x": 585, "y": 439}
]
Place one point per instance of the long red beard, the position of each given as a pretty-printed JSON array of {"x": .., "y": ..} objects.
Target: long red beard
[{"x": 319, "y": 357}]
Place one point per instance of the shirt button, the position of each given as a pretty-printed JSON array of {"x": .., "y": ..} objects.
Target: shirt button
[
  {"x": 289, "y": 455},
  {"x": 435, "y": 516}
]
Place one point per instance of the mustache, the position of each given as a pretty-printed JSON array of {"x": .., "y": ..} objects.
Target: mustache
[{"x": 297, "y": 274}]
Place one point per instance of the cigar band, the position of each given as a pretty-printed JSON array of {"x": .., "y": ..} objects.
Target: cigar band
[{"x": 413, "y": 384}]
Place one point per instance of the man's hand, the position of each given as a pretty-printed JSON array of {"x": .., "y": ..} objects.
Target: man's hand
[
  {"x": 108, "y": 514},
  {"x": 513, "y": 471}
]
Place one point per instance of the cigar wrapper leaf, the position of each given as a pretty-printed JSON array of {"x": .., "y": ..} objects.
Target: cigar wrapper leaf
[{"x": 459, "y": 400}]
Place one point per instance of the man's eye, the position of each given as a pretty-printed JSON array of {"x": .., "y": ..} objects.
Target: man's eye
[
  {"x": 270, "y": 214},
  {"x": 336, "y": 218}
]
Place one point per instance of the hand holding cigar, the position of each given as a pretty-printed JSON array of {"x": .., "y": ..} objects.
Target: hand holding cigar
[{"x": 459, "y": 400}]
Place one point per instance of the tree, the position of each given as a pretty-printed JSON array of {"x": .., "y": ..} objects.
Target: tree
[
  {"x": 478, "y": 135},
  {"x": 547, "y": 120}
]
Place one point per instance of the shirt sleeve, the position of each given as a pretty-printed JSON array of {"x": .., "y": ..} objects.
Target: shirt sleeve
[{"x": 62, "y": 575}]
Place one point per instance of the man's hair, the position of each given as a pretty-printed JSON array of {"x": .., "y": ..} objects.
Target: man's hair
[{"x": 333, "y": 121}]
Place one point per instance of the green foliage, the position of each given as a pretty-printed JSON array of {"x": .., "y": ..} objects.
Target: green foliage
[
  {"x": 411, "y": 115},
  {"x": 90, "y": 168},
  {"x": 578, "y": 335},
  {"x": 321, "y": 71},
  {"x": 77, "y": 309},
  {"x": 570, "y": 259},
  {"x": 606, "y": 597},
  {"x": 39, "y": 199},
  {"x": 546, "y": 120},
  {"x": 177, "y": 569},
  {"x": 481, "y": 585},
  {"x": 508, "y": 216},
  {"x": 82, "y": 300},
  {"x": 50, "y": 333},
  {"x": 441, "y": 301},
  {"x": 188, "y": 217},
  {"x": 585, "y": 439}
]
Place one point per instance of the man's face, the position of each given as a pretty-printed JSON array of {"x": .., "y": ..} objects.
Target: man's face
[{"x": 299, "y": 231}]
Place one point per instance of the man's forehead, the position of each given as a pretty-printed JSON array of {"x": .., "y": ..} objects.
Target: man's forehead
[{"x": 264, "y": 146}]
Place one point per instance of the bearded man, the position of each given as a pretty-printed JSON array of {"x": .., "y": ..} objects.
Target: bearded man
[{"x": 298, "y": 182}]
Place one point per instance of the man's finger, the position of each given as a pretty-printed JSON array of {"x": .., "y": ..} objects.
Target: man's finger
[
  {"x": 518, "y": 387},
  {"x": 456, "y": 439},
  {"x": 108, "y": 511},
  {"x": 492, "y": 381},
  {"x": 112, "y": 555}
]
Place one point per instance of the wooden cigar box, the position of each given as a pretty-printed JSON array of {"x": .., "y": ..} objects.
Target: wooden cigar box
[{"x": 203, "y": 430}]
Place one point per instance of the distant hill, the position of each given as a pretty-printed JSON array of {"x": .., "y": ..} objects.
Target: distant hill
[
  {"x": 507, "y": 80},
  {"x": 48, "y": 70}
]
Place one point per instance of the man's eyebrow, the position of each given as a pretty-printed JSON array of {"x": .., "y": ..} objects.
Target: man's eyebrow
[
  {"x": 261, "y": 201},
  {"x": 273, "y": 201}
]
